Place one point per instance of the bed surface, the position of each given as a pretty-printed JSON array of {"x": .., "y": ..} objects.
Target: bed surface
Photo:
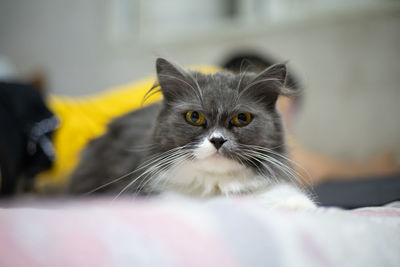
[{"x": 221, "y": 232}]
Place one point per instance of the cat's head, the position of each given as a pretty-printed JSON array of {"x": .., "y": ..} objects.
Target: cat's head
[{"x": 222, "y": 122}]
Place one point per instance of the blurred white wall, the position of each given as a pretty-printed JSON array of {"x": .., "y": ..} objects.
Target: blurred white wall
[{"x": 348, "y": 63}]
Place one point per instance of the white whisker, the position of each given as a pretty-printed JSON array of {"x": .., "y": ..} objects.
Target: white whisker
[
  {"x": 160, "y": 162},
  {"x": 270, "y": 171},
  {"x": 144, "y": 165},
  {"x": 269, "y": 150},
  {"x": 164, "y": 179}
]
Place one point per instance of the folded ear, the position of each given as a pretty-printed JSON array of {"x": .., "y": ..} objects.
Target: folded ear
[
  {"x": 172, "y": 79},
  {"x": 269, "y": 84}
]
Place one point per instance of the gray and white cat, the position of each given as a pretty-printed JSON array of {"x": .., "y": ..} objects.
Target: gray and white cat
[{"x": 212, "y": 134}]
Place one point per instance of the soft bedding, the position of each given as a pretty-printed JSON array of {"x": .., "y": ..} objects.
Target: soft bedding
[{"x": 185, "y": 232}]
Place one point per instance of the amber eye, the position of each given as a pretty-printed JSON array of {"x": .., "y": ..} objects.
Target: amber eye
[
  {"x": 194, "y": 118},
  {"x": 241, "y": 119}
]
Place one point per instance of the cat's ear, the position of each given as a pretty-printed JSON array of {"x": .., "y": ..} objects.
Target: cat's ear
[
  {"x": 269, "y": 84},
  {"x": 277, "y": 72},
  {"x": 274, "y": 78},
  {"x": 171, "y": 79}
]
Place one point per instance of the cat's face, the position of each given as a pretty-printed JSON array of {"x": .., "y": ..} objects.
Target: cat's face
[{"x": 222, "y": 123}]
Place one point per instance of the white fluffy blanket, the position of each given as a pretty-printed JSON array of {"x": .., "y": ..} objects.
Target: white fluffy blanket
[{"x": 98, "y": 232}]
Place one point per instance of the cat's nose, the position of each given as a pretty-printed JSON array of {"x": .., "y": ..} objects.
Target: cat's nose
[{"x": 217, "y": 142}]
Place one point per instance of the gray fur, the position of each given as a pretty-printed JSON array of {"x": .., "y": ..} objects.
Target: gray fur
[{"x": 114, "y": 159}]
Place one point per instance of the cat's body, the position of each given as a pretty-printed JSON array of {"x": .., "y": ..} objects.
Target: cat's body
[
  {"x": 116, "y": 153},
  {"x": 212, "y": 135}
]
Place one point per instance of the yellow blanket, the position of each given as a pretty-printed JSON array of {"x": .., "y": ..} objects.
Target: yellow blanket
[{"x": 84, "y": 118}]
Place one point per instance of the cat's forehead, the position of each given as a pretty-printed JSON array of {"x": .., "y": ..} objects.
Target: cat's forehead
[
  {"x": 219, "y": 81},
  {"x": 221, "y": 90}
]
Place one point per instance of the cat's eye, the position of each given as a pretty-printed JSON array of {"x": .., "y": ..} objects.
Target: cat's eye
[
  {"x": 195, "y": 118},
  {"x": 241, "y": 119}
]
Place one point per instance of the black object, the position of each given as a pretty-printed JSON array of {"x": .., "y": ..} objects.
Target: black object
[
  {"x": 26, "y": 127},
  {"x": 371, "y": 191},
  {"x": 253, "y": 62}
]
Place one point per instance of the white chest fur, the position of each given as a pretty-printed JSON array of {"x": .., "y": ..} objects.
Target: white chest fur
[
  {"x": 201, "y": 178},
  {"x": 189, "y": 180},
  {"x": 211, "y": 176}
]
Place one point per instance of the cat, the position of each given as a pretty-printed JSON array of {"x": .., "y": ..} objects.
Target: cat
[{"x": 212, "y": 135}]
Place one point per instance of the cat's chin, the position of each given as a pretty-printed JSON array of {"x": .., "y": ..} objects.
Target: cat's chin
[
  {"x": 212, "y": 175},
  {"x": 217, "y": 163},
  {"x": 217, "y": 156}
]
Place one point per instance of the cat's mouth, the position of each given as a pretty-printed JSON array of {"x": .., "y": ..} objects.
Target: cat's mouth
[{"x": 217, "y": 154}]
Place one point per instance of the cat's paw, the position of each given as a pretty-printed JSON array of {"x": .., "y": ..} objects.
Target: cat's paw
[
  {"x": 296, "y": 202},
  {"x": 285, "y": 196}
]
